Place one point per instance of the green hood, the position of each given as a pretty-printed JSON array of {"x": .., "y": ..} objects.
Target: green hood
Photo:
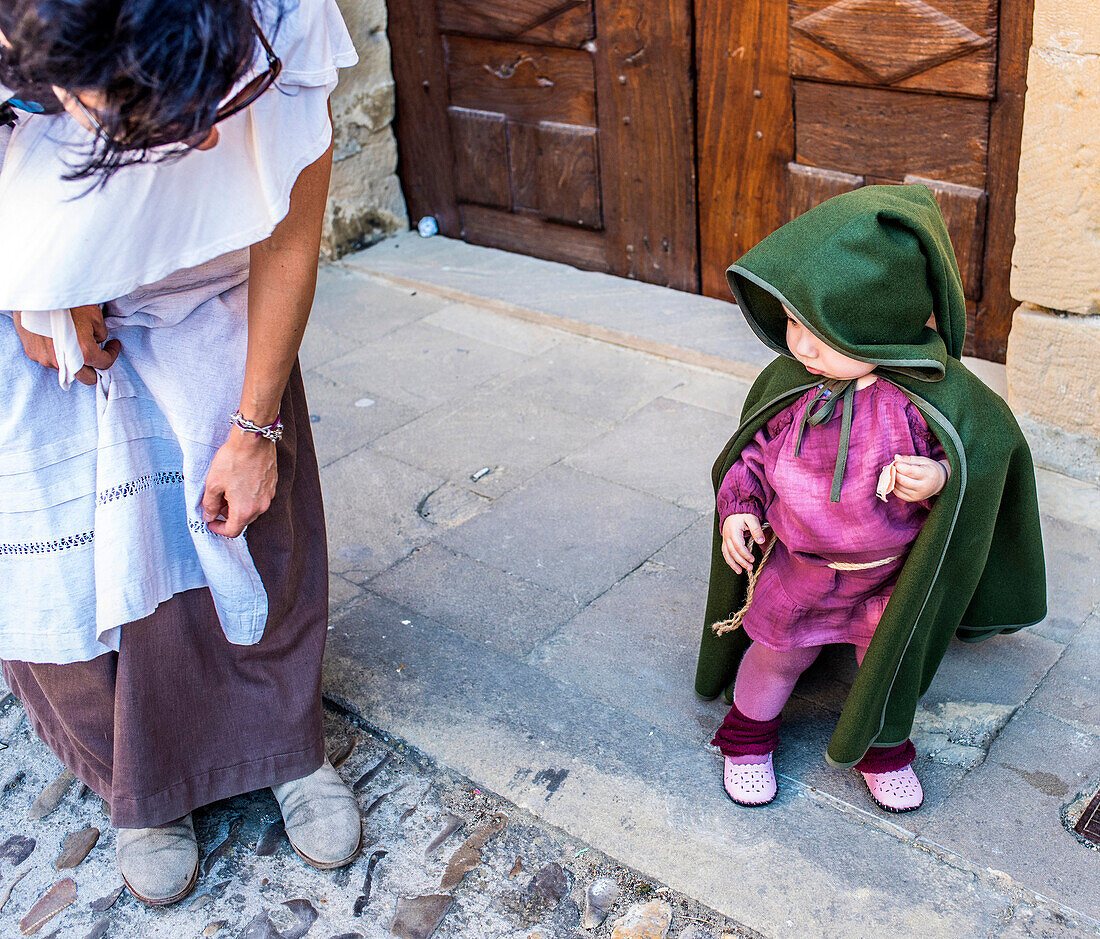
[{"x": 865, "y": 272}]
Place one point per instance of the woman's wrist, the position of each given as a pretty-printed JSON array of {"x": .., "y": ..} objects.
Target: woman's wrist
[{"x": 262, "y": 415}]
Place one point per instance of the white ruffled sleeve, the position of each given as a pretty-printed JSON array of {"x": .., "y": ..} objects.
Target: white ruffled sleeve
[
  {"x": 311, "y": 41},
  {"x": 60, "y": 248}
]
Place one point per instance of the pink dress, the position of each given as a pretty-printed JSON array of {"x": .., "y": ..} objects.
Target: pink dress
[{"x": 799, "y": 600}]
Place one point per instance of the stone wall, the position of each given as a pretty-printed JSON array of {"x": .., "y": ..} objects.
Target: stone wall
[
  {"x": 365, "y": 201},
  {"x": 1054, "y": 347}
]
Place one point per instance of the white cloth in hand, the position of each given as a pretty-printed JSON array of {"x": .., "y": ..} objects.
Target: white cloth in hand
[{"x": 58, "y": 325}]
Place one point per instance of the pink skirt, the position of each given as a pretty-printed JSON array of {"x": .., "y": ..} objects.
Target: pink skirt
[{"x": 800, "y": 602}]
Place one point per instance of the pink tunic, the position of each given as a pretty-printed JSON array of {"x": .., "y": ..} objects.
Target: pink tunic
[{"x": 800, "y": 601}]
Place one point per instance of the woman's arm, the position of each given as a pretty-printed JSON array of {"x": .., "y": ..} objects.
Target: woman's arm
[{"x": 282, "y": 280}]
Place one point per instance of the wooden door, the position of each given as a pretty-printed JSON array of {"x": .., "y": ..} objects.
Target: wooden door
[
  {"x": 802, "y": 99},
  {"x": 556, "y": 128}
]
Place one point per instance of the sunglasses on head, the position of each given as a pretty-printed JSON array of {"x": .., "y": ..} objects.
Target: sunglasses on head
[{"x": 41, "y": 99}]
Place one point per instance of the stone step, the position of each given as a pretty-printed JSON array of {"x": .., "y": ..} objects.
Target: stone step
[
  {"x": 809, "y": 864},
  {"x": 683, "y": 327}
]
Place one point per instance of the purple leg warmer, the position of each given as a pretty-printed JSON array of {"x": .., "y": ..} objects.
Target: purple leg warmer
[
  {"x": 742, "y": 736},
  {"x": 887, "y": 759}
]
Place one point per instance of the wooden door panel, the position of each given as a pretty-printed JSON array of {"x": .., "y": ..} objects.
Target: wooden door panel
[
  {"x": 480, "y": 141},
  {"x": 523, "y": 158},
  {"x": 554, "y": 172},
  {"x": 799, "y": 100},
  {"x": 558, "y": 22},
  {"x": 568, "y": 177},
  {"x": 424, "y": 151},
  {"x": 808, "y": 186},
  {"x": 905, "y": 44},
  {"x": 647, "y": 139},
  {"x": 525, "y": 82},
  {"x": 873, "y": 131},
  {"x": 559, "y": 128},
  {"x": 499, "y": 229},
  {"x": 746, "y": 130}
]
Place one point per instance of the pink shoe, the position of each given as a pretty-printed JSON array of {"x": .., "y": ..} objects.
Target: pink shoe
[
  {"x": 896, "y": 791},
  {"x": 750, "y": 783}
]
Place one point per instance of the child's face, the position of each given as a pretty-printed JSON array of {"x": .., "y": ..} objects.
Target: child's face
[{"x": 817, "y": 357}]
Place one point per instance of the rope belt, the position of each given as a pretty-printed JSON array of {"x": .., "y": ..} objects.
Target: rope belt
[
  {"x": 735, "y": 621},
  {"x": 865, "y": 566}
]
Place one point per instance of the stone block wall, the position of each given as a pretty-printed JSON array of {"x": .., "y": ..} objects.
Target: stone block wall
[
  {"x": 365, "y": 201},
  {"x": 1054, "y": 348}
]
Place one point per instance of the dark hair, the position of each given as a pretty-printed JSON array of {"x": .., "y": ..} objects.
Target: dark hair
[{"x": 162, "y": 67}]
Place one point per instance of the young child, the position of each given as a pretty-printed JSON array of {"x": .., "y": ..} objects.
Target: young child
[{"x": 867, "y": 428}]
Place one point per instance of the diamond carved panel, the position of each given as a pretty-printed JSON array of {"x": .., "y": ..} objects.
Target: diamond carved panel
[{"x": 890, "y": 40}]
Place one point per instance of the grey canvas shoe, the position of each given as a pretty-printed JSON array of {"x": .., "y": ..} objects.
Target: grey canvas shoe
[
  {"x": 159, "y": 865},
  {"x": 322, "y": 818}
]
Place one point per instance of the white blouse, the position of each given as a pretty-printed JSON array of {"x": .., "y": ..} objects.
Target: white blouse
[
  {"x": 101, "y": 487},
  {"x": 63, "y": 246}
]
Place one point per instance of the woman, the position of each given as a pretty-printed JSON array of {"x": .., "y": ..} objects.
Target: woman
[{"x": 161, "y": 199}]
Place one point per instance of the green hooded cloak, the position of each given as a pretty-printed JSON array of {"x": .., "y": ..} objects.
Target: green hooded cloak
[{"x": 866, "y": 272}]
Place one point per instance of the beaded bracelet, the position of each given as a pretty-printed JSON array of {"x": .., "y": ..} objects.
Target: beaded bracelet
[{"x": 272, "y": 432}]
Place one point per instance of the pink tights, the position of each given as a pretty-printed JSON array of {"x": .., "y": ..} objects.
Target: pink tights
[{"x": 766, "y": 679}]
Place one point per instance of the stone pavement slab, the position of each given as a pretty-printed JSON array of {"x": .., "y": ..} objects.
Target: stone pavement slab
[
  {"x": 649, "y": 619},
  {"x": 1072, "y": 575},
  {"x": 343, "y": 419},
  {"x": 623, "y": 311},
  {"x": 1071, "y": 690},
  {"x": 1006, "y": 671},
  {"x": 715, "y": 392},
  {"x": 1009, "y": 811},
  {"x": 476, "y": 323},
  {"x": 591, "y": 379},
  {"x": 689, "y": 552},
  {"x": 370, "y": 511},
  {"x": 514, "y": 438},
  {"x": 684, "y": 437},
  {"x": 357, "y": 316},
  {"x": 420, "y": 365},
  {"x": 472, "y": 598},
  {"x": 571, "y": 532}
]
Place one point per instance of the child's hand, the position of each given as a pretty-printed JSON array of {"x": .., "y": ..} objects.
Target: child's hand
[
  {"x": 919, "y": 478},
  {"x": 737, "y": 553}
]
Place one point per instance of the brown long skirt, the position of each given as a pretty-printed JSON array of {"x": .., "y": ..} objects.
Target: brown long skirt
[{"x": 179, "y": 717}]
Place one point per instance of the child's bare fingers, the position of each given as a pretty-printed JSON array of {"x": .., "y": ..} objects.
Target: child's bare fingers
[
  {"x": 912, "y": 493},
  {"x": 914, "y": 470},
  {"x": 740, "y": 551},
  {"x": 744, "y": 551},
  {"x": 731, "y": 559}
]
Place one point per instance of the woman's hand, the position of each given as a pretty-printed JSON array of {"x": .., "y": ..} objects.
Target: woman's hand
[
  {"x": 90, "y": 329},
  {"x": 919, "y": 478},
  {"x": 240, "y": 484},
  {"x": 735, "y": 550},
  {"x": 282, "y": 278}
]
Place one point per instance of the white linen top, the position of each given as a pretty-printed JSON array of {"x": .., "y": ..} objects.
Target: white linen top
[
  {"x": 59, "y": 248},
  {"x": 101, "y": 487}
]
